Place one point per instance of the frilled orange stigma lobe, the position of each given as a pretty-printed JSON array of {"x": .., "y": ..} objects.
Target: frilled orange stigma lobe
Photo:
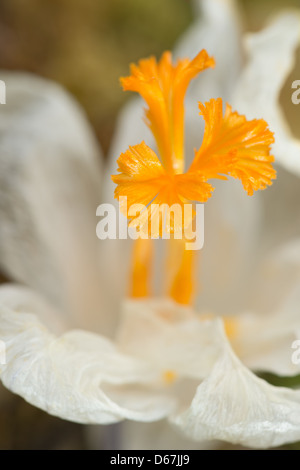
[
  {"x": 234, "y": 146},
  {"x": 163, "y": 87},
  {"x": 143, "y": 180}
]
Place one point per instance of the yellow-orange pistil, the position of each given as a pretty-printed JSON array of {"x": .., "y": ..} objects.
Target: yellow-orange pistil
[{"x": 231, "y": 146}]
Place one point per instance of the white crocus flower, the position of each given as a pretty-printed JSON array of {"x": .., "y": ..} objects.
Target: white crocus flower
[{"x": 167, "y": 361}]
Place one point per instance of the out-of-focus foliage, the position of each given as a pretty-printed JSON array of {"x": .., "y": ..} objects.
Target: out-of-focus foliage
[{"x": 86, "y": 45}]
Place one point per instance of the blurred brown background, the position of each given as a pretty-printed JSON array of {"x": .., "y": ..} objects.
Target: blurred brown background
[{"x": 86, "y": 45}]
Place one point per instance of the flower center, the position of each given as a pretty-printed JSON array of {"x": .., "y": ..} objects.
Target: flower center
[{"x": 231, "y": 146}]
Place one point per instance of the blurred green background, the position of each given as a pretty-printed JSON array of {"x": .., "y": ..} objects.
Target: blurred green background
[{"x": 86, "y": 45}]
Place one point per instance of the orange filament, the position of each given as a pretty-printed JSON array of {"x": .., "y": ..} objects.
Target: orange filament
[
  {"x": 141, "y": 268},
  {"x": 182, "y": 288}
]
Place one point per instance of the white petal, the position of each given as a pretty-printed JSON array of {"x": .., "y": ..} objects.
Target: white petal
[
  {"x": 78, "y": 376},
  {"x": 49, "y": 192},
  {"x": 219, "y": 19},
  {"x": 169, "y": 336},
  {"x": 232, "y": 222},
  {"x": 234, "y": 405},
  {"x": 21, "y": 299},
  {"x": 281, "y": 211},
  {"x": 277, "y": 276},
  {"x": 271, "y": 58},
  {"x": 263, "y": 340},
  {"x": 115, "y": 254}
]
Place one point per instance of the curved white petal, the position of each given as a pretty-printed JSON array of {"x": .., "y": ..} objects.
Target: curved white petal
[
  {"x": 78, "y": 376},
  {"x": 234, "y": 405},
  {"x": 271, "y": 58},
  {"x": 49, "y": 191},
  {"x": 169, "y": 336}
]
